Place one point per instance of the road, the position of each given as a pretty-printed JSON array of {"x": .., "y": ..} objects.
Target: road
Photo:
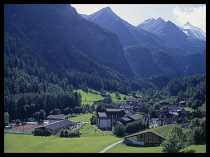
[{"x": 110, "y": 146}]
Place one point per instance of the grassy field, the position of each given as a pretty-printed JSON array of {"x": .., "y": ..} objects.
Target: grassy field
[
  {"x": 202, "y": 108},
  {"x": 82, "y": 117},
  {"x": 90, "y": 130},
  {"x": 195, "y": 149},
  {"x": 34, "y": 144},
  {"x": 88, "y": 98},
  {"x": 122, "y": 148}
]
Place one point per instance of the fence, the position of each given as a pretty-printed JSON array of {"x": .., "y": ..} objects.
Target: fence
[{"x": 17, "y": 132}]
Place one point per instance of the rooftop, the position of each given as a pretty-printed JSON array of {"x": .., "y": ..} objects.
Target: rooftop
[
  {"x": 57, "y": 124},
  {"x": 102, "y": 114},
  {"x": 134, "y": 117},
  {"x": 59, "y": 116},
  {"x": 114, "y": 110}
]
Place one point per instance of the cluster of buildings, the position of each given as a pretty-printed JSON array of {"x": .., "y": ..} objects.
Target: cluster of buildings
[{"x": 56, "y": 123}]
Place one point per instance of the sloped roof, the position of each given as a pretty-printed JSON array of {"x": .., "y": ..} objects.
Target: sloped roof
[
  {"x": 134, "y": 117},
  {"x": 102, "y": 114},
  {"x": 169, "y": 120},
  {"x": 125, "y": 119},
  {"x": 114, "y": 110},
  {"x": 59, "y": 116},
  {"x": 173, "y": 107},
  {"x": 57, "y": 124}
]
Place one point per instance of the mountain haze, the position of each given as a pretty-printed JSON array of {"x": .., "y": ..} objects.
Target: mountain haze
[{"x": 172, "y": 35}]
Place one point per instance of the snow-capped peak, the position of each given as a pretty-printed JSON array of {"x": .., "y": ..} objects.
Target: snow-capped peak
[
  {"x": 193, "y": 31},
  {"x": 187, "y": 24}
]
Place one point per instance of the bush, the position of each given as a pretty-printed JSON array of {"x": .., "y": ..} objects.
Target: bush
[
  {"x": 93, "y": 120},
  {"x": 119, "y": 129},
  {"x": 42, "y": 132}
]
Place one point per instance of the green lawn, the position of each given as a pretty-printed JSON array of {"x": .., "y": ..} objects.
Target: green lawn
[
  {"x": 82, "y": 117},
  {"x": 122, "y": 148},
  {"x": 90, "y": 130},
  {"x": 195, "y": 149},
  {"x": 33, "y": 144}
]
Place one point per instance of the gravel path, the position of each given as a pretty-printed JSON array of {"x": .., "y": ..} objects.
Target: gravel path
[{"x": 110, "y": 146}]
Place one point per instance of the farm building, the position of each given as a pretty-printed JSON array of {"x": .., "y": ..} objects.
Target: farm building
[
  {"x": 56, "y": 126},
  {"x": 54, "y": 118},
  {"x": 144, "y": 138}
]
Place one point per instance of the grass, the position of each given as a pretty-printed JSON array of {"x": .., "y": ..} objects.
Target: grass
[
  {"x": 202, "y": 108},
  {"x": 122, "y": 148},
  {"x": 88, "y": 98},
  {"x": 161, "y": 131},
  {"x": 82, "y": 117},
  {"x": 53, "y": 144},
  {"x": 90, "y": 130},
  {"x": 195, "y": 149}
]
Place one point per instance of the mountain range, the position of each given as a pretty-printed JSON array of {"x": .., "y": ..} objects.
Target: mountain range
[
  {"x": 172, "y": 35},
  {"x": 193, "y": 31},
  {"x": 158, "y": 41},
  {"x": 53, "y": 43}
]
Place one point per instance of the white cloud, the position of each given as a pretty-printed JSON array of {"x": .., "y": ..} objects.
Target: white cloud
[{"x": 195, "y": 15}]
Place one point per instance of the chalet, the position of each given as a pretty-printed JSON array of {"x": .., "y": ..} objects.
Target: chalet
[
  {"x": 166, "y": 121},
  {"x": 173, "y": 109},
  {"x": 162, "y": 103},
  {"x": 56, "y": 126},
  {"x": 145, "y": 138},
  {"x": 112, "y": 105},
  {"x": 183, "y": 103},
  {"x": 183, "y": 113},
  {"x": 105, "y": 119},
  {"x": 164, "y": 112},
  {"x": 108, "y": 119},
  {"x": 54, "y": 118}
]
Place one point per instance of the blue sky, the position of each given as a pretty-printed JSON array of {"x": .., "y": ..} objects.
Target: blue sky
[{"x": 138, "y": 13}]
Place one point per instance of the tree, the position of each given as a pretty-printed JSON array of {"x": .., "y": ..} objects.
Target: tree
[
  {"x": 175, "y": 142},
  {"x": 93, "y": 120},
  {"x": 197, "y": 132},
  {"x": 6, "y": 118},
  {"x": 17, "y": 122},
  {"x": 42, "y": 114},
  {"x": 119, "y": 129},
  {"x": 117, "y": 95},
  {"x": 56, "y": 111}
]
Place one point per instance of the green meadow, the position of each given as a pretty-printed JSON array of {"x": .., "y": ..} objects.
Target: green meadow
[
  {"x": 88, "y": 98},
  {"x": 92, "y": 130},
  {"x": 82, "y": 117},
  {"x": 14, "y": 143}
]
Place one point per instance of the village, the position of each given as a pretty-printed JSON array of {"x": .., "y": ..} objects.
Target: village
[{"x": 118, "y": 114}]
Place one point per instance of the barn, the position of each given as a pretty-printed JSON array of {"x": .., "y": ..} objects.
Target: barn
[{"x": 56, "y": 126}]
